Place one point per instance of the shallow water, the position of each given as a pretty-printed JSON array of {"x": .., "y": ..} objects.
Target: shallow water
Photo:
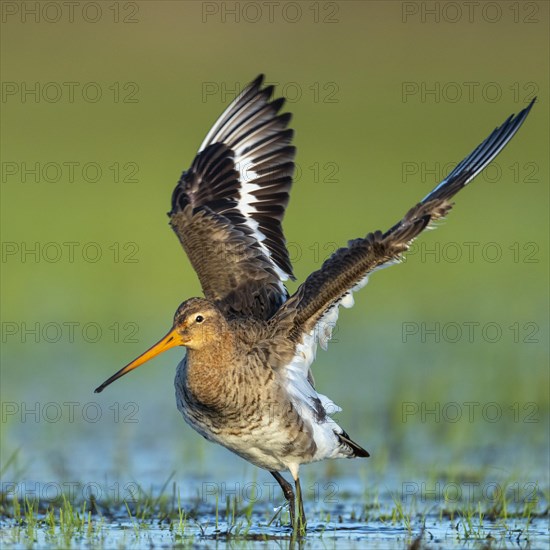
[
  {"x": 340, "y": 513},
  {"x": 347, "y": 533},
  {"x": 320, "y": 536}
]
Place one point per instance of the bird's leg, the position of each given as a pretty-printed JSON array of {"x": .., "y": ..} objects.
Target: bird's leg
[
  {"x": 289, "y": 494},
  {"x": 301, "y": 519}
]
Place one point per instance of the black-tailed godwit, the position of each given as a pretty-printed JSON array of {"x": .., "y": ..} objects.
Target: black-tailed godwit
[{"x": 245, "y": 381}]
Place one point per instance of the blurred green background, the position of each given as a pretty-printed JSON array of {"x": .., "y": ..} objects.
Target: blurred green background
[{"x": 384, "y": 96}]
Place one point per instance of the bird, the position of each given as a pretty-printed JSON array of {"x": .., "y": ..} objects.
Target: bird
[{"x": 245, "y": 381}]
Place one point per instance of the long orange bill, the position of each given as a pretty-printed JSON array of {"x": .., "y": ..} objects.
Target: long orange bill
[{"x": 171, "y": 340}]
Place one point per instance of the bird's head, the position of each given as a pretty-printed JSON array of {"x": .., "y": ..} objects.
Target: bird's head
[{"x": 198, "y": 323}]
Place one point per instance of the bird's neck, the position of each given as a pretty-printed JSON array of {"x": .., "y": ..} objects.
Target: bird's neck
[{"x": 208, "y": 370}]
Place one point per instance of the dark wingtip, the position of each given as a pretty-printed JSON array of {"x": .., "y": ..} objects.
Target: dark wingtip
[
  {"x": 480, "y": 157},
  {"x": 524, "y": 112},
  {"x": 258, "y": 81}
]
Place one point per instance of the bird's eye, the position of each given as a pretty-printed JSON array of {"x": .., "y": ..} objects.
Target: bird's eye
[{"x": 199, "y": 319}]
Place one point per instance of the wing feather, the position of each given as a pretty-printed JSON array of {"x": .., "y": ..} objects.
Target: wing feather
[
  {"x": 319, "y": 297},
  {"x": 238, "y": 186},
  {"x": 310, "y": 315}
]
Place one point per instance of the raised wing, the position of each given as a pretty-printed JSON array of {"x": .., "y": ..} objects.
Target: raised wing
[
  {"x": 228, "y": 207},
  {"x": 312, "y": 311}
]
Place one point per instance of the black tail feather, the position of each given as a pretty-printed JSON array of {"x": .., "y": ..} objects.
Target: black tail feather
[{"x": 346, "y": 440}]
